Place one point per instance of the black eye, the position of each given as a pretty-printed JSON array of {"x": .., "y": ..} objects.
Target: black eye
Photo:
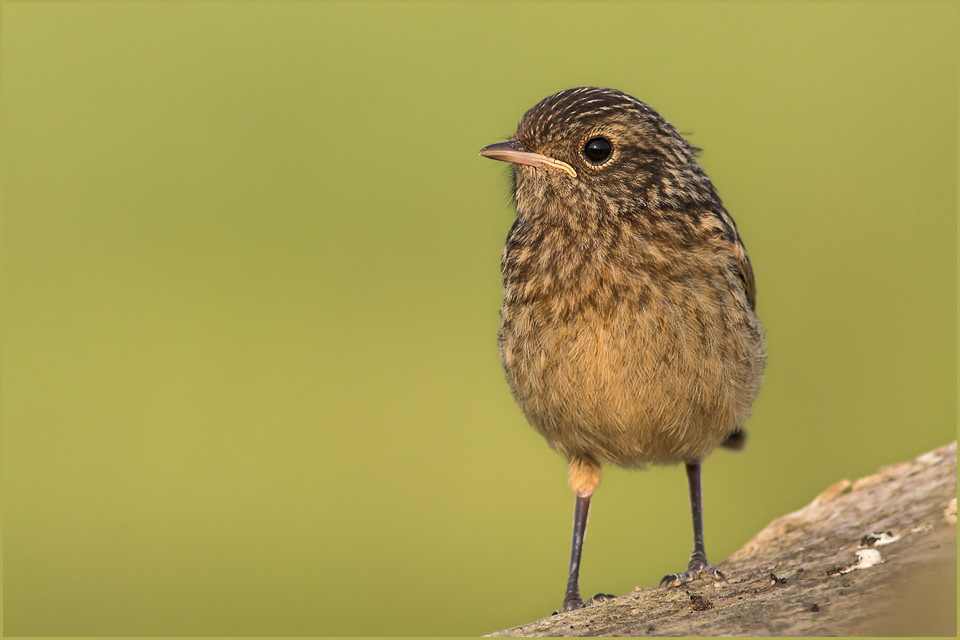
[{"x": 598, "y": 150}]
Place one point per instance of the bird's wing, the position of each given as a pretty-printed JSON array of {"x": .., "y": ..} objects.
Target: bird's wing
[
  {"x": 746, "y": 272},
  {"x": 741, "y": 259}
]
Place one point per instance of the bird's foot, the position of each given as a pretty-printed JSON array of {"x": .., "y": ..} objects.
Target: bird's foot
[
  {"x": 694, "y": 571},
  {"x": 572, "y": 603},
  {"x": 600, "y": 598}
]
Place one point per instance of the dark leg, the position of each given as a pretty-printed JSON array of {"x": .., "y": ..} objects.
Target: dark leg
[
  {"x": 698, "y": 565},
  {"x": 572, "y": 598},
  {"x": 584, "y": 477}
]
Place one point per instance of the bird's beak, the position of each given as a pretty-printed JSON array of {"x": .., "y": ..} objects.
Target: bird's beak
[{"x": 514, "y": 151}]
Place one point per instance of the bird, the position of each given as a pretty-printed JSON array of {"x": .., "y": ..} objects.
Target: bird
[{"x": 628, "y": 329}]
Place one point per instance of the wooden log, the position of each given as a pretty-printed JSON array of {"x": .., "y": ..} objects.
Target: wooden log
[{"x": 877, "y": 556}]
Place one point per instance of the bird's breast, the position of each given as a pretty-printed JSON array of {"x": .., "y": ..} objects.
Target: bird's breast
[{"x": 613, "y": 358}]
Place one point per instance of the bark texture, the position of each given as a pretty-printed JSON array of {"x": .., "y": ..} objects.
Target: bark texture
[{"x": 877, "y": 556}]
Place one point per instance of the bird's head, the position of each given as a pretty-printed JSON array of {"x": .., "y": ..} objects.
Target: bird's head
[{"x": 597, "y": 152}]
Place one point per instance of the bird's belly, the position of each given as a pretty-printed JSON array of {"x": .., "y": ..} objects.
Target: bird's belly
[{"x": 630, "y": 388}]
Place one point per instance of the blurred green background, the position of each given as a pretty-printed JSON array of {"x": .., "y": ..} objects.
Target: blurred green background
[{"x": 251, "y": 289}]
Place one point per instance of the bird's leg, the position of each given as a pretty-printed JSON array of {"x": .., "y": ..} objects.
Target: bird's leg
[
  {"x": 572, "y": 600},
  {"x": 584, "y": 477},
  {"x": 698, "y": 565}
]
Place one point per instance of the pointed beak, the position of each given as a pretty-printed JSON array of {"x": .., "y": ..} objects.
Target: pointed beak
[{"x": 514, "y": 151}]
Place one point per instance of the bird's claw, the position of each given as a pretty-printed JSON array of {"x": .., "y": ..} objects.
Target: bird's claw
[
  {"x": 600, "y": 598},
  {"x": 574, "y": 603},
  {"x": 691, "y": 574}
]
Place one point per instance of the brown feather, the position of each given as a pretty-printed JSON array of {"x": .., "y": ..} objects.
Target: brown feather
[{"x": 628, "y": 333}]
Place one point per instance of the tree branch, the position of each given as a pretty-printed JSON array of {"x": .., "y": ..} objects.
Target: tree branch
[{"x": 875, "y": 556}]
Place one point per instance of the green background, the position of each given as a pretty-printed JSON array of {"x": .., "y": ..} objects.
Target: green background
[{"x": 251, "y": 286}]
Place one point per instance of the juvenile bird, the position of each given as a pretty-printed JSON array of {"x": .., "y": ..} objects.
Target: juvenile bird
[{"x": 628, "y": 333}]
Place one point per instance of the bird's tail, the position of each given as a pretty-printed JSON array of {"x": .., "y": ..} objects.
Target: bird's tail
[{"x": 735, "y": 440}]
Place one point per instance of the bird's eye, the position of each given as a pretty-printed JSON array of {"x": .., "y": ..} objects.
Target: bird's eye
[{"x": 598, "y": 150}]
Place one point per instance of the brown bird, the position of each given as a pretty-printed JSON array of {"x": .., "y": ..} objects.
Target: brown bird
[{"x": 628, "y": 332}]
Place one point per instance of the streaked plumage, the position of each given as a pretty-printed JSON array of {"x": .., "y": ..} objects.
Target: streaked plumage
[{"x": 628, "y": 327}]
